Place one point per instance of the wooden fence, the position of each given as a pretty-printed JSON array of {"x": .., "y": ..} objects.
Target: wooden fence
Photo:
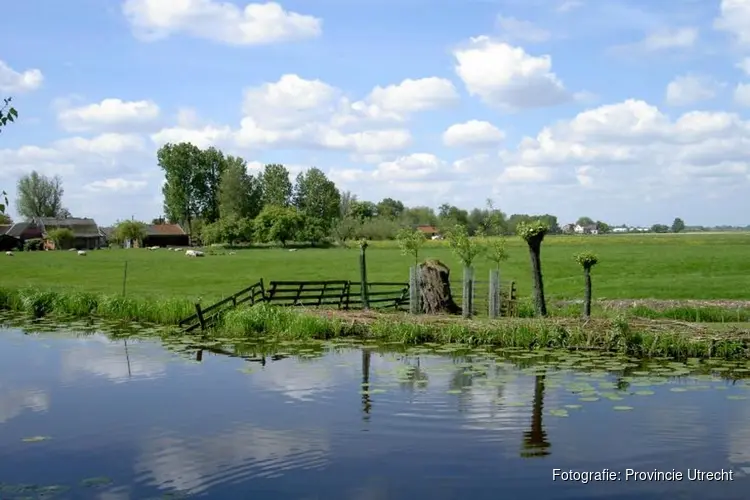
[{"x": 204, "y": 317}]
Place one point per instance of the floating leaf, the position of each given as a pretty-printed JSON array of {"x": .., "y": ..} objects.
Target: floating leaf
[
  {"x": 93, "y": 482},
  {"x": 35, "y": 439},
  {"x": 559, "y": 413},
  {"x": 644, "y": 393},
  {"x": 622, "y": 408}
]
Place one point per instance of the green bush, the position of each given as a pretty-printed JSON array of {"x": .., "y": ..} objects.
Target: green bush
[{"x": 33, "y": 244}]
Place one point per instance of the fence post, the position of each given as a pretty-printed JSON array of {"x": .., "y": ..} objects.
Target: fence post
[
  {"x": 494, "y": 293},
  {"x": 199, "y": 313},
  {"x": 467, "y": 305},
  {"x": 363, "y": 275},
  {"x": 124, "y": 278},
  {"x": 414, "y": 303}
]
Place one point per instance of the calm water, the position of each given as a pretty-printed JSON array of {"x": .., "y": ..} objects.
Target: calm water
[{"x": 88, "y": 417}]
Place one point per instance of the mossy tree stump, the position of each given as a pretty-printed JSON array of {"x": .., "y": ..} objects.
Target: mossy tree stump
[{"x": 435, "y": 288}]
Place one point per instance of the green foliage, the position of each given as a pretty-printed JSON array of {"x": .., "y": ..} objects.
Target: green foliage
[
  {"x": 129, "y": 230},
  {"x": 278, "y": 224},
  {"x": 410, "y": 241},
  {"x": 229, "y": 230},
  {"x": 8, "y": 113},
  {"x": 39, "y": 196},
  {"x": 497, "y": 251},
  {"x": 276, "y": 186},
  {"x": 4, "y": 218},
  {"x": 678, "y": 225},
  {"x": 464, "y": 247},
  {"x": 316, "y": 196},
  {"x": 34, "y": 244},
  {"x": 345, "y": 229},
  {"x": 659, "y": 228},
  {"x": 62, "y": 237},
  {"x": 313, "y": 229},
  {"x": 379, "y": 228},
  {"x": 530, "y": 231},
  {"x": 587, "y": 260},
  {"x": 239, "y": 192}
]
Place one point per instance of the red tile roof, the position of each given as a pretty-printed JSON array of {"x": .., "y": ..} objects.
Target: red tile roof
[
  {"x": 427, "y": 229},
  {"x": 165, "y": 229}
]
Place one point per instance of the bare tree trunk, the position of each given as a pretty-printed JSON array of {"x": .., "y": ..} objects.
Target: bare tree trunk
[
  {"x": 535, "y": 248},
  {"x": 587, "y": 295},
  {"x": 435, "y": 288}
]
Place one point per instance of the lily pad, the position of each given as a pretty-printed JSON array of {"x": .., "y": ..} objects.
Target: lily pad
[
  {"x": 35, "y": 439},
  {"x": 622, "y": 408}
]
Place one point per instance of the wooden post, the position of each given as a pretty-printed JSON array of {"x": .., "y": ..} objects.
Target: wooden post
[
  {"x": 124, "y": 278},
  {"x": 494, "y": 301},
  {"x": 414, "y": 303},
  {"x": 199, "y": 312},
  {"x": 363, "y": 275},
  {"x": 467, "y": 304}
]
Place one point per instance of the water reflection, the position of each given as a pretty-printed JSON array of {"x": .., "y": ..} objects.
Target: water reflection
[
  {"x": 366, "y": 403},
  {"x": 535, "y": 442},
  {"x": 14, "y": 401}
]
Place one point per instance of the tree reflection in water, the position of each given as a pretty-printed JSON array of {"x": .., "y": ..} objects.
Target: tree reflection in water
[
  {"x": 535, "y": 442},
  {"x": 366, "y": 402}
]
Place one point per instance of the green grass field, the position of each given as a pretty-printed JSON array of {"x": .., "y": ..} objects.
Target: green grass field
[{"x": 681, "y": 266}]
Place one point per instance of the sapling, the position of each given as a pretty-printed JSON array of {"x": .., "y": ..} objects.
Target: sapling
[
  {"x": 587, "y": 260},
  {"x": 533, "y": 234},
  {"x": 466, "y": 250},
  {"x": 410, "y": 241}
]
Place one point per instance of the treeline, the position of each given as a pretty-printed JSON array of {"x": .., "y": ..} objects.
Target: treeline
[{"x": 215, "y": 198}]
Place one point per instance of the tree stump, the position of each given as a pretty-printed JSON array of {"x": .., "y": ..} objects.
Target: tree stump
[{"x": 435, "y": 288}]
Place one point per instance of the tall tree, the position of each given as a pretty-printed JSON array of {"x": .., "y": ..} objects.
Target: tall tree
[
  {"x": 276, "y": 186},
  {"x": 39, "y": 196},
  {"x": 8, "y": 114},
  {"x": 533, "y": 234},
  {"x": 207, "y": 172},
  {"x": 585, "y": 221},
  {"x": 181, "y": 189},
  {"x": 678, "y": 225},
  {"x": 390, "y": 208},
  {"x": 239, "y": 192},
  {"x": 317, "y": 196}
]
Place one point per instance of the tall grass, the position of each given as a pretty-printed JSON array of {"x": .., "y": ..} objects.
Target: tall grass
[
  {"x": 617, "y": 335},
  {"x": 38, "y": 303}
]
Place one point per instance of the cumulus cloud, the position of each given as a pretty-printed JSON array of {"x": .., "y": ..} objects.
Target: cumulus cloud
[
  {"x": 689, "y": 89},
  {"x": 733, "y": 19},
  {"x": 398, "y": 102},
  {"x": 115, "y": 184},
  {"x": 255, "y": 24},
  {"x": 634, "y": 141},
  {"x": 512, "y": 29},
  {"x": 742, "y": 94},
  {"x": 744, "y": 65},
  {"x": 15, "y": 81},
  {"x": 508, "y": 77},
  {"x": 665, "y": 39},
  {"x": 108, "y": 114},
  {"x": 473, "y": 133}
]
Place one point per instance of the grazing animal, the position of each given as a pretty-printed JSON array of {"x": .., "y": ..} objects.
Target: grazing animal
[
  {"x": 292, "y": 249},
  {"x": 194, "y": 253},
  {"x": 9, "y": 254},
  {"x": 232, "y": 253},
  {"x": 82, "y": 252}
]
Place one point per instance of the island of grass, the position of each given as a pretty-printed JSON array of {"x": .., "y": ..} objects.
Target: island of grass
[{"x": 673, "y": 295}]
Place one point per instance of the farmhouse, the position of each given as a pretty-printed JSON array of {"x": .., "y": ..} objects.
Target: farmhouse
[
  {"x": 429, "y": 231},
  {"x": 165, "y": 235},
  {"x": 24, "y": 231},
  {"x": 8, "y": 242},
  {"x": 85, "y": 231},
  {"x": 588, "y": 229}
]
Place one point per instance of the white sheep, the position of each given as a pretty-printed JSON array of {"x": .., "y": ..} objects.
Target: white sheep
[
  {"x": 9, "y": 253},
  {"x": 194, "y": 253},
  {"x": 82, "y": 252},
  {"x": 292, "y": 249},
  {"x": 232, "y": 253}
]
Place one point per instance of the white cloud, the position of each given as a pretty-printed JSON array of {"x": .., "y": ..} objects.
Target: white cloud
[
  {"x": 513, "y": 29},
  {"x": 115, "y": 184},
  {"x": 99, "y": 356},
  {"x": 255, "y": 24},
  {"x": 633, "y": 142},
  {"x": 397, "y": 102},
  {"x": 734, "y": 18},
  {"x": 14, "y": 401},
  {"x": 742, "y": 94},
  {"x": 474, "y": 133},
  {"x": 569, "y": 5},
  {"x": 678, "y": 38},
  {"x": 744, "y": 65},
  {"x": 14, "y": 81},
  {"x": 108, "y": 114},
  {"x": 689, "y": 89},
  {"x": 506, "y": 76},
  {"x": 201, "y": 136}
]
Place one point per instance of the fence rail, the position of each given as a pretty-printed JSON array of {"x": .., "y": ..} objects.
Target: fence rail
[{"x": 341, "y": 294}]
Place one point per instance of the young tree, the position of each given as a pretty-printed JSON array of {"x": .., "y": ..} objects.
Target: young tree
[
  {"x": 465, "y": 248},
  {"x": 587, "y": 260},
  {"x": 411, "y": 241},
  {"x": 275, "y": 186},
  {"x": 239, "y": 192},
  {"x": 63, "y": 238},
  {"x": 533, "y": 234},
  {"x": 39, "y": 196}
]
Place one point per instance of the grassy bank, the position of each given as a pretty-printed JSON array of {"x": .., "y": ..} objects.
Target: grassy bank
[
  {"x": 633, "y": 336},
  {"x": 700, "y": 266},
  {"x": 637, "y": 338}
]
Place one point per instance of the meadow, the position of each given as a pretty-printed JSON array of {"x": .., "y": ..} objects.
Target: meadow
[{"x": 651, "y": 266}]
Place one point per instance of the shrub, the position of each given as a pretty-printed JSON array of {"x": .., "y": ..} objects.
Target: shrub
[{"x": 33, "y": 244}]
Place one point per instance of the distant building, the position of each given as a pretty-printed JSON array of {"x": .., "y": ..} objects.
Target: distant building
[
  {"x": 588, "y": 229},
  {"x": 620, "y": 229},
  {"x": 165, "y": 235},
  {"x": 86, "y": 235},
  {"x": 429, "y": 231}
]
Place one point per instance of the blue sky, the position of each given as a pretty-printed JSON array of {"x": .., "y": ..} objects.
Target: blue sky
[{"x": 629, "y": 112}]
